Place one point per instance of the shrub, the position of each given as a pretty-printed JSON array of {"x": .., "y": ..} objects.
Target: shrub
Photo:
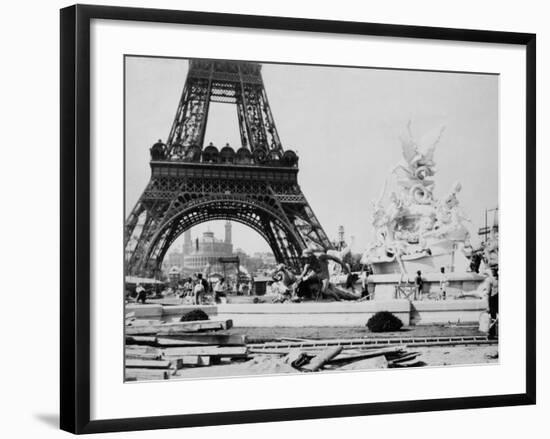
[
  {"x": 384, "y": 321},
  {"x": 196, "y": 314}
]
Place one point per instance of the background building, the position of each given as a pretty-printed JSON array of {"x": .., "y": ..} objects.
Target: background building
[
  {"x": 201, "y": 254},
  {"x": 206, "y": 251}
]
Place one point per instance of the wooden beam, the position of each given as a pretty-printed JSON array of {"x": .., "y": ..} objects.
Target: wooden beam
[
  {"x": 178, "y": 327},
  {"x": 147, "y": 340},
  {"x": 146, "y": 374},
  {"x": 143, "y": 356},
  {"x": 212, "y": 351},
  {"x": 319, "y": 361},
  {"x": 345, "y": 357},
  {"x": 147, "y": 364},
  {"x": 206, "y": 339}
]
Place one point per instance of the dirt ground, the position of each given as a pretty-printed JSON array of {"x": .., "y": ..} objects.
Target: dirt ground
[
  {"x": 273, "y": 364},
  {"x": 455, "y": 355}
]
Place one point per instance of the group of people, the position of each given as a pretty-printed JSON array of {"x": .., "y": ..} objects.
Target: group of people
[
  {"x": 488, "y": 290},
  {"x": 195, "y": 288},
  {"x": 443, "y": 285},
  {"x": 200, "y": 291},
  {"x": 314, "y": 282}
]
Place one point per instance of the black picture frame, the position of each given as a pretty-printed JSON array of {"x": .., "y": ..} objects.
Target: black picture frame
[{"x": 75, "y": 217}]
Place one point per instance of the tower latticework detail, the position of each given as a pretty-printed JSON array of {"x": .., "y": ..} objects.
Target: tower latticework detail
[{"x": 255, "y": 184}]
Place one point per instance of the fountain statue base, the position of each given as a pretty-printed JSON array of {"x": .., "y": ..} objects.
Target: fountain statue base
[
  {"x": 442, "y": 254},
  {"x": 393, "y": 278},
  {"x": 396, "y": 286}
]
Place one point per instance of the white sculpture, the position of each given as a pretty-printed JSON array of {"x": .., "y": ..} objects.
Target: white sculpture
[{"x": 413, "y": 224}]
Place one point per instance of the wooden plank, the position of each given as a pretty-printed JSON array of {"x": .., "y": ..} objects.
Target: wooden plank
[
  {"x": 203, "y": 325},
  {"x": 164, "y": 342},
  {"x": 207, "y": 338},
  {"x": 143, "y": 322},
  {"x": 147, "y": 340},
  {"x": 135, "y": 351},
  {"x": 168, "y": 328},
  {"x": 146, "y": 374},
  {"x": 147, "y": 364},
  {"x": 405, "y": 358},
  {"x": 280, "y": 352},
  {"x": 358, "y": 355},
  {"x": 143, "y": 355},
  {"x": 143, "y": 349},
  {"x": 318, "y": 361},
  {"x": 212, "y": 351}
]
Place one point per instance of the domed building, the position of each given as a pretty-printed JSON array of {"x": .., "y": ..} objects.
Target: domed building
[{"x": 205, "y": 251}]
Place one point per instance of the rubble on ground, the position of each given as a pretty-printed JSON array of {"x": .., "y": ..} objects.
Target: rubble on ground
[{"x": 195, "y": 349}]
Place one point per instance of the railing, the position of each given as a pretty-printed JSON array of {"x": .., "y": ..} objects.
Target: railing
[{"x": 405, "y": 292}]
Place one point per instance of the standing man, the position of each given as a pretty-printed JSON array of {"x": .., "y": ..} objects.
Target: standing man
[
  {"x": 201, "y": 288},
  {"x": 419, "y": 284},
  {"x": 141, "y": 294},
  {"x": 188, "y": 287},
  {"x": 443, "y": 281},
  {"x": 220, "y": 290},
  {"x": 492, "y": 297}
]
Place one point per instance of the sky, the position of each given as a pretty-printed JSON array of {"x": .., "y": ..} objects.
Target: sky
[{"x": 345, "y": 124}]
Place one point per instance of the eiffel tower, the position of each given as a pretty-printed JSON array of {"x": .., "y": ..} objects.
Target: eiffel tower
[{"x": 256, "y": 184}]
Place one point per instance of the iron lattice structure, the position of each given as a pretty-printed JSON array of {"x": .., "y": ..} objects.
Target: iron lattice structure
[{"x": 255, "y": 185}]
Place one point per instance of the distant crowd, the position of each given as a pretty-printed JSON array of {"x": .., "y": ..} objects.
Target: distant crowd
[{"x": 193, "y": 290}]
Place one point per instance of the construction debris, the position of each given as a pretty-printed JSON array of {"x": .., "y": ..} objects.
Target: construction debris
[
  {"x": 178, "y": 327},
  {"x": 321, "y": 359},
  {"x": 158, "y": 351}
]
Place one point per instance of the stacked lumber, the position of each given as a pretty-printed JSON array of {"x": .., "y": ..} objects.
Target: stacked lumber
[
  {"x": 139, "y": 327},
  {"x": 157, "y": 350}
]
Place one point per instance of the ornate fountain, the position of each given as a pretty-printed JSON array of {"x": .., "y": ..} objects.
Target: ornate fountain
[{"x": 416, "y": 231}]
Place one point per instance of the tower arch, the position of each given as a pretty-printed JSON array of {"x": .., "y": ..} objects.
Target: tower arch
[{"x": 254, "y": 184}]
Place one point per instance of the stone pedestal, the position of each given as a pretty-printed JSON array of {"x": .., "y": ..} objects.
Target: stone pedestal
[{"x": 459, "y": 285}]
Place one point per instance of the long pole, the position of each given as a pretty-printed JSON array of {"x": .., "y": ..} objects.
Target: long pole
[{"x": 486, "y": 225}]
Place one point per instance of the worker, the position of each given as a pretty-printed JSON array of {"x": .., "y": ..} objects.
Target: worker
[
  {"x": 200, "y": 289},
  {"x": 492, "y": 298},
  {"x": 443, "y": 283},
  {"x": 316, "y": 270},
  {"x": 419, "y": 285},
  {"x": 220, "y": 290},
  {"x": 141, "y": 294}
]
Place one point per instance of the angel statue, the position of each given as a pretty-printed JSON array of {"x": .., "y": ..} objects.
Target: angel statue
[{"x": 418, "y": 168}]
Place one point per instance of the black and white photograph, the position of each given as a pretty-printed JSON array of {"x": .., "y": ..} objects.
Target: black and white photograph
[
  {"x": 275, "y": 219},
  {"x": 298, "y": 218}
]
